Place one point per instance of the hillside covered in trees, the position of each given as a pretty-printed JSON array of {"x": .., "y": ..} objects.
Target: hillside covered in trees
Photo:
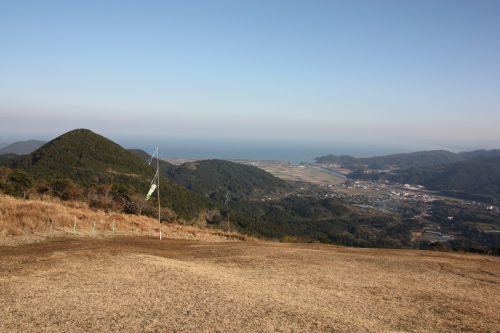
[
  {"x": 215, "y": 177},
  {"x": 473, "y": 175},
  {"x": 479, "y": 177},
  {"x": 82, "y": 165},
  {"x": 406, "y": 160}
]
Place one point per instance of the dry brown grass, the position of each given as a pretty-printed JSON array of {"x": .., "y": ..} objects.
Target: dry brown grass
[
  {"x": 23, "y": 221},
  {"x": 142, "y": 284},
  {"x": 147, "y": 285}
]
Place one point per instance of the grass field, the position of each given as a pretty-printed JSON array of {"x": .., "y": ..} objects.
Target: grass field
[
  {"x": 205, "y": 280},
  {"x": 143, "y": 284}
]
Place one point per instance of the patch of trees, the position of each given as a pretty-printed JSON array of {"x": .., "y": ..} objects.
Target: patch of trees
[
  {"x": 120, "y": 195},
  {"x": 326, "y": 220},
  {"x": 470, "y": 227}
]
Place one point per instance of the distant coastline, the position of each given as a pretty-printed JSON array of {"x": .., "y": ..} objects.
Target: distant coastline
[{"x": 293, "y": 152}]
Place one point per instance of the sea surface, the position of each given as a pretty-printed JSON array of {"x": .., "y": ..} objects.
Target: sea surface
[{"x": 295, "y": 152}]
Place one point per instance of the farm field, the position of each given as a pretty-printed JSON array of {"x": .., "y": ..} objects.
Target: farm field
[
  {"x": 142, "y": 284},
  {"x": 305, "y": 174}
]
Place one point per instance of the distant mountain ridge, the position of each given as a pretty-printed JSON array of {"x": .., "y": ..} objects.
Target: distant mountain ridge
[
  {"x": 405, "y": 160},
  {"x": 22, "y": 147}
]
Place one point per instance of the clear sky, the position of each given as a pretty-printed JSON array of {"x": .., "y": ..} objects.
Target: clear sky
[{"x": 422, "y": 72}]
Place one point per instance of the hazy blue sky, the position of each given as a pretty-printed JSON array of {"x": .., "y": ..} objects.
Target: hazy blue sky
[{"x": 425, "y": 72}]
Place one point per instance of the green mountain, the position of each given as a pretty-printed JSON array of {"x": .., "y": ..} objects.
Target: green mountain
[
  {"x": 91, "y": 161},
  {"x": 165, "y": 167},
  {"x": 140, "y": 153},
  {"x": 477, "y": 178},
  {"x": 215, "y": 177},
  {"x": 85, "y": 157},
  {"x": 407, "y": 160}
]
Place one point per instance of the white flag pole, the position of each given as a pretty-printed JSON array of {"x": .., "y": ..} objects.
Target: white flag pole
[
  {"x": 227, "y": 209},
  {"x": 158, "y": 182},
  {"x": 155, "y": 183}
]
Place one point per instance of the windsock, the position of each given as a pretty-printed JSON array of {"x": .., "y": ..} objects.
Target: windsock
[{"x": 151, "y": 190}]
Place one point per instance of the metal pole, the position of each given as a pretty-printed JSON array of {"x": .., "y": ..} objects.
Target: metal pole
[
  {"x": 158, "y": 181},
  {"x": 228, "y": 225},
  {"x": 227, "y": 209}
]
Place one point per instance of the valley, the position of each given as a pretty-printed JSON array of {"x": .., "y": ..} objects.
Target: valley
[
  {"x": 321, "y": 202},
  {"x": 462, "y": 223}
]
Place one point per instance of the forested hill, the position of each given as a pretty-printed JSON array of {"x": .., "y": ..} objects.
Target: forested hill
[
  {"x": 165, "y": 167},
  {"x": 218, "y": 176},
  {"x": 85, "y": 157},
  {"x": 406, "y": 160},
  {"x": 479, "y": 176},
  {"x": 81, "y": 165},
  {"x": 214, "y": 177}
]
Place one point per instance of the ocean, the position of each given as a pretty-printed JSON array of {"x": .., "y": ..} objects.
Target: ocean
[{"x": 295, "y": 152}]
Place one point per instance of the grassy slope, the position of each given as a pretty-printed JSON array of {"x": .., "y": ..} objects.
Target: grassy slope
[
  {"x": 146, "y": 285},
  {"x": 26, "y": 221}
]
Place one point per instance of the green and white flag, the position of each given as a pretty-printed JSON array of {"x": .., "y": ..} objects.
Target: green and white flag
[
  {"x": 151, "y": 190},
  {"x": 154, "y": 184}
]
